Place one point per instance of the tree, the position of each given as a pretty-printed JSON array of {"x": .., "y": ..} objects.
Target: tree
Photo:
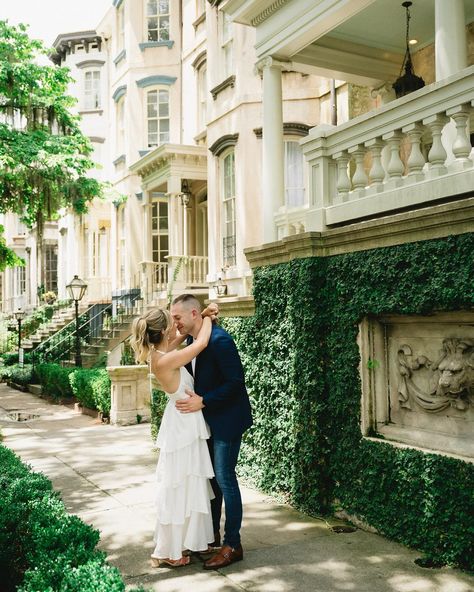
[{"x": 44, "y": 157}]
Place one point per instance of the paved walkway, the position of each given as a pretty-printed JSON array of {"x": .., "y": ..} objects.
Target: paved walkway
[{"x": 105, "y": 475}]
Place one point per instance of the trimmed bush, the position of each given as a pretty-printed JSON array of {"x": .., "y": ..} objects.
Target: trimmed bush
[
  {"x": 21, "y": 375},
  {"x": 11, "y": 358},
  {"x": 54, "y": 380},
  {"x": 42, "y": 548},
  {"x": 92, "y": 388}
]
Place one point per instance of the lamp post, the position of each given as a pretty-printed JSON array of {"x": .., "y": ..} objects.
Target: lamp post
[
  {"x": 19, "y": 316},
  {"x": 76, "y": 289}
]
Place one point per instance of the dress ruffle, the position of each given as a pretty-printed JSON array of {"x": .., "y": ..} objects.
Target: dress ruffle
[{"x": 183, "y": 488}]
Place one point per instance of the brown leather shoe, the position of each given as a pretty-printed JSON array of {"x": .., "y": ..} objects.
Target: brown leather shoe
[{"x": 225, "y": 557}]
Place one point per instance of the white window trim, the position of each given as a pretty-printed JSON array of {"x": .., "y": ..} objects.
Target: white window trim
[
  {"x": 84, "y": 99},
  {"x": 158, "y": 16},
  {"x": 222, "y": 158},
  {"x": 226, "y": 43},
  {"x": 296, "y": 139},
  {"x": 147, "y": 90}
]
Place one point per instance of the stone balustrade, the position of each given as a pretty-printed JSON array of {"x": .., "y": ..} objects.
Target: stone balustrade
[{"x": 407, "y": 153}]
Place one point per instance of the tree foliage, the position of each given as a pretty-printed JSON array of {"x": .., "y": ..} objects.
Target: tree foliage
[{"x": 44, "y": 157}]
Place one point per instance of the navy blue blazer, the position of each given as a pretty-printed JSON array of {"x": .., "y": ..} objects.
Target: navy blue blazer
[{"x": 219, "y": 380}]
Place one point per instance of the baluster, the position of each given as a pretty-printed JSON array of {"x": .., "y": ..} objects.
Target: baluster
[
  {"x": 395, "y": 166},
  {"x": 437, "y": 155},
  {"x": 377, "y": 172},
  {"x": 461, "y": 145},
  {"x": 360, "y": 179},
  {"x": 416, "y": 160},
  {"x": 343, "y": 184}
]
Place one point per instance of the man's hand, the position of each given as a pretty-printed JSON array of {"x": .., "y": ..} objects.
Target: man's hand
[{"x": 194, "y": 403}]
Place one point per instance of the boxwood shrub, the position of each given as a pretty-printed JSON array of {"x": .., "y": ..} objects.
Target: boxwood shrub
[
  {"x": 54, "y": 380},
  {"x": 301, "y": 359},
  {"x": 42, "y": 548},
  {"x": 91, "y": 387}
]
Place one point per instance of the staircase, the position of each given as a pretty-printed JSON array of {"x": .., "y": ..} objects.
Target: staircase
[{"x": 61, "y": 318}]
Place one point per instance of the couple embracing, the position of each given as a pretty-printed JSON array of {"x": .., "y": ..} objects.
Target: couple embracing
[{"x": 200, "y": 434}]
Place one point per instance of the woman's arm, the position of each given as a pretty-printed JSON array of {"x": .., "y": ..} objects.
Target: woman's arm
[{"x": 178, "y": 358}]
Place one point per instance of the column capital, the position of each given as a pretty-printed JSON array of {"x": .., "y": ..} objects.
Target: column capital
[{"x": 269, "y": 62}]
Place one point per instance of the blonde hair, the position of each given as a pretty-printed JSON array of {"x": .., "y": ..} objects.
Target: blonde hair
[{"x": 149, "y": 330}]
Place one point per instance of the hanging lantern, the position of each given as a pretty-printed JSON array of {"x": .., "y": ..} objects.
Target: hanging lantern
[{"x": 409, "y": 82}]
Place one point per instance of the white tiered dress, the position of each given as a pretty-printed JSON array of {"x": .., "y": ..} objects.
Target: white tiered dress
[{"x": 184, "y": 519}]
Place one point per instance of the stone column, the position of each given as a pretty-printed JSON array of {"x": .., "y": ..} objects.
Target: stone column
[
  {"x": 130, "y": 394},
  {"x": 450, "y": 38},
  {"x": 273, "y": 186}
]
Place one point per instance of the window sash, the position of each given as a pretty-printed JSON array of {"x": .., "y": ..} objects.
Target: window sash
[
  {"x": 158, "y": 20},
  {"x": 158, "y": 123},
  {"x": 92, "y": 89},
  {"x": 228, "y": 211}
]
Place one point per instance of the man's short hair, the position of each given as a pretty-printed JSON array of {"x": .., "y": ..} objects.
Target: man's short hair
[{"x": 188, "y": 300}]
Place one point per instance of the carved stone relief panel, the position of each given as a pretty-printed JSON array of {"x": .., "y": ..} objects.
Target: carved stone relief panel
[{"x": 418, "y": 380}]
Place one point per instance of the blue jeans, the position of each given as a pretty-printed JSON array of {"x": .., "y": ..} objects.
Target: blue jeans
[{"x": 224, "y": 456}]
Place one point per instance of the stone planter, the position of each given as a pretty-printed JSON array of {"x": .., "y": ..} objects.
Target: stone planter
[{"x": 130, "y": 395}]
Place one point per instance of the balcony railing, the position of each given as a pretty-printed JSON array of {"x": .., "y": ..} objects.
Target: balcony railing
[{"x": 409, "y": 152}]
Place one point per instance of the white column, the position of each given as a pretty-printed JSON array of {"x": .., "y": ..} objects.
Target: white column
[
  {"x": 273, "y": 186},
  {"x": 450, "y": 38},
  {"x": 146, "y": 205}
]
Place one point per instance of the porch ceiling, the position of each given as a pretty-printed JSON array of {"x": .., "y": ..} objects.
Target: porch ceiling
[
  {"x": 167, "y": 161},
  {"x": 359, "y": 39}
]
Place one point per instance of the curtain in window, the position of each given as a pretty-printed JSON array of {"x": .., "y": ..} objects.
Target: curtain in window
[{"x": 294, "y": 176}]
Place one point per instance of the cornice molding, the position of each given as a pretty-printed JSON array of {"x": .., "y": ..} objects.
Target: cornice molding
[
  {"x": 119, "y": 93},
  {"x": 223, "y": 143},
  {"x": 97, "y": 139},
  {"x": 260, "y": 18},
  {"x": 425, "y": 224},
  {"x": 90, "y": 64},
  {"x": 230, "y": 81},
  {"x": 119, "y": 57},
  {"x": 290, "y": 128},
  {"x": 155, "y": 81},
  {"x": 199, "y": 60},
  {"x": 149, "y": 44}
]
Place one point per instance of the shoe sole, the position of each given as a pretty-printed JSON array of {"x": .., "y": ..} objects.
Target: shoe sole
[{"x": 209, "y": 568}]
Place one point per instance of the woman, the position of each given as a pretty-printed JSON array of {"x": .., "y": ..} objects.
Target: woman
[{"x": 184, "y": 467}]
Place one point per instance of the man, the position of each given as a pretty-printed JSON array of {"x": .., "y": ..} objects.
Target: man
[{"x": 219, "y": 390}]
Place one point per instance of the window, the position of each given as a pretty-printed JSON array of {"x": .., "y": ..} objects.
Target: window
[
  {"x": 92, "y": 89},
  {"x": 51, "y": 268},
  {"x": 160, "y": 239},
  {"x": 202, "y": 97},
  {"x": 228, "y": 209},
  {"x": 120, "y": 27},
  {"x": 226, "y": 44},
  {"x": 20, "y": 281},
  {"x": 158, "y": 123},
  {"x": 123, "y": 245},
  {"x": 158, "y": 20},
  {"x": 294, "y": 175},
  {"x": 120, "y": 126}
]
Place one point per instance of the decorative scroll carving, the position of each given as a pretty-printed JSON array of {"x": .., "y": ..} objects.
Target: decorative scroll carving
[{"x": 447, "y": 382}]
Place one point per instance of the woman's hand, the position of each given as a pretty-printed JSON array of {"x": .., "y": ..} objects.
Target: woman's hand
[{"x": 211, "y": 310}]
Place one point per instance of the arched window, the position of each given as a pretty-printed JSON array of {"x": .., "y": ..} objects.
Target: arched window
[
  {"x": 158, "y": 20},
  {"x": 158, "y": 122},
  {"x": 228, "y": 209},
  {"x": 294, "y": 174}
]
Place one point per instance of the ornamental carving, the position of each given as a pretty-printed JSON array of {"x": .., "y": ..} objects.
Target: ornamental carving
[{"x": 437, "y": 385}]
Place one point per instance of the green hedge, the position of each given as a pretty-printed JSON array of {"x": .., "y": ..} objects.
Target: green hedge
[
  {"x": 42, "y": 548},
  {"x": 92, "y": 388},
  {"x": 54, "y": 380},
  {"x": 301, "y": 359},
  {"x": 22, "y": 375}
]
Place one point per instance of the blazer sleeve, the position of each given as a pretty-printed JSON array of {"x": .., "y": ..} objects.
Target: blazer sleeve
[{"x": 227, "y": 361}]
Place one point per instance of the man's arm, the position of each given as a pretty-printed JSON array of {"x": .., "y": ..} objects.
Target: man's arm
[{"x": 230, "y": 367}]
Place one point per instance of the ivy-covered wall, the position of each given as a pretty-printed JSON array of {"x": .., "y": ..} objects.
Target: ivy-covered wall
[{"x": 301, "y": 359}]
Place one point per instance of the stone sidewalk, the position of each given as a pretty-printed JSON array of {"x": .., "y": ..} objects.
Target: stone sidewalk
[{"x": 106, "y": 476}]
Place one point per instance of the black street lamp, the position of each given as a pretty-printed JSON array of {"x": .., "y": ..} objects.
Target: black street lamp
[
  {"x": 19, "y": 316},
  {"x": 77, "y": 288}
]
